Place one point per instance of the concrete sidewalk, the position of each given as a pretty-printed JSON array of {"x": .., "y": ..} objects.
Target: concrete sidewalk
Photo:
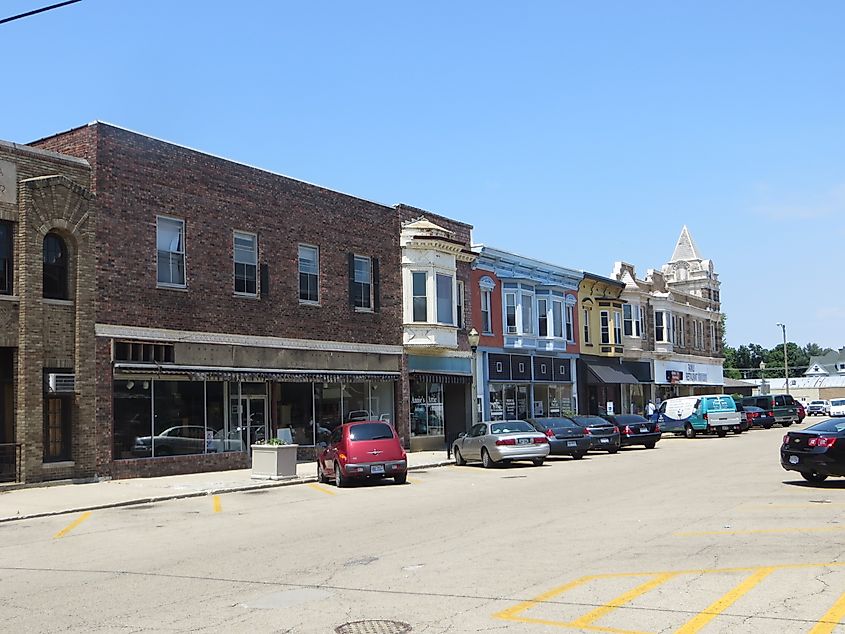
[{"x": 43, "y": 501}]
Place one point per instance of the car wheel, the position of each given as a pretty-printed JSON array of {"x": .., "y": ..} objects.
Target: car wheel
[
  {"x": 400, "y": 478},
  {"x": 813, "y": 476},
  {"x": 721, "y": 432},
  {"x": 650, "y": 445},
  {"x": 538, "y": 462},
  {"x": 340, "y": 480},
  {"x": 613, "y": 450},
  {"x": 689, "y": 432},
  {"x": 579, "y": 454},
  {"x": 486, "y": 461},
  {"x": 459, "y": 459},
  {"x": 321, "y": 475}
]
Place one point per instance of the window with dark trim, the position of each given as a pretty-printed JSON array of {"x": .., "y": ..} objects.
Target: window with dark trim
[
  {"x": 309, "y": 274},
  {"x": 55, "y": 267},
  {"x": 604, "y": 318},
  {"x": 170, "y": 251},
  {"x": 246, "y": 263},
  {"x": 57, "y": 428},
  {"x": 361, "y": 281},
  {"x": 6, "y": 258},
  {"x": 144, "y": 352}
]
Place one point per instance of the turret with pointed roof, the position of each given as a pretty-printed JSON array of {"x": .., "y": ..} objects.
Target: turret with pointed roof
[{"x": 687, "y": 271}]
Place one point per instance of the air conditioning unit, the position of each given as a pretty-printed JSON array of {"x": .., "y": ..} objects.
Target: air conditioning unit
[{"x": 61, "y": 383}]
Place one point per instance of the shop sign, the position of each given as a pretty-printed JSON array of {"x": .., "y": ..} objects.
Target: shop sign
[{"x": 679, "y": 373}]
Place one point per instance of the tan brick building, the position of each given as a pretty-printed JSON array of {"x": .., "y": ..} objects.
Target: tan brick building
[{"x": 47, "y": 295}]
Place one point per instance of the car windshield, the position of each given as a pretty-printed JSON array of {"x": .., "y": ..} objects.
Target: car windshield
[
  {"x": 816, "y": 402},
  {"x": 510, "y": 426},
  {"x": 828, "y": 426},
  {"x": 840, "y": 402},
  {"x": 370, "y": 431}
]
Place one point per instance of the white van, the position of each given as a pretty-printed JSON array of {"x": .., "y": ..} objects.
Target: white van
[{"x": 707, "y": 413}]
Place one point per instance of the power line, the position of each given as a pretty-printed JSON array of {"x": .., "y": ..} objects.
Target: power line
[{"x": 42, "y": 10}]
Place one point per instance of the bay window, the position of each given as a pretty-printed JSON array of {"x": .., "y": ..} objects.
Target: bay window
[
  {"x": 420, "y": 297},
  {"x": 445, "y": 299},
  {"x": 617, "y": 327},
  {"x": 557, "y": 317},
  {"x": 604, "y": 319},
  {"x": 543, "y": 317},
  {"x": 510, "y": 313}
]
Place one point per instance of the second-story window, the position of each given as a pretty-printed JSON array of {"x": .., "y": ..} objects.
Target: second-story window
[
  {"x": 460, "y": 305},
  {"x": 570, "y": 323},
  {"x": 713, "y": 343},
  {"x": 246, "y": 263},
  {"x": 361, "y": 286},
  {"x": 486, "y": 300},
  {"x": 628, "y": 314},
  {"x": 510, "y": 313},
  {"x": 604, "y": 322},
  {"x": 641, "y": 324},
  {"x": 557, "y": 318},
  {"x": 170, "y": 242},
  {"x": 55, "y": 267},
  {"x": 586, "y": 318},
  {"x": 662, "y": 326},
  {"x": 527, "y": 314},
  {"x": 309, "y": 274},
  {"x": 6, "y": 258},
  {"x": 420, "y": 296},
  {"x": 445, "y": 304},
  {"x": 617, "y": 327},
  {"x": 543, "y": 317}
]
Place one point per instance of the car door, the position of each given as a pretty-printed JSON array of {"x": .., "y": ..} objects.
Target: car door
[
  {"x": 331, "y": 450},
  {"x": 474, "y": 440}
]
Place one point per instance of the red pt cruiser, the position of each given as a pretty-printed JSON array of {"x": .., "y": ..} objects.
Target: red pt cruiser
[{"x": 361, "y": 450}]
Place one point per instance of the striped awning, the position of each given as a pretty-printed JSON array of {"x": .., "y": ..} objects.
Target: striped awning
[
  {"x": 436, "y": 377},
  {"x": 213, "y": 373}
]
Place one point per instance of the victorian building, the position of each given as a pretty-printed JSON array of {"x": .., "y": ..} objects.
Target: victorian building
[{"x": 526, "y": 313}]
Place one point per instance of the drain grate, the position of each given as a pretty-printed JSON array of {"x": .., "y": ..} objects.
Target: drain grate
[{"x": 373, "y": 627}]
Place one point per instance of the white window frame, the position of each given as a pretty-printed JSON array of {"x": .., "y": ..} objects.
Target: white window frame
[
  {"x": 511, "y": 330},
  {"x": 628, "y": 320},
  {"x": 604, "y": 327},
  {"x": 452, "y": 285},
  {"x": 183, "y": 252},
  {"x": 254, "y": 264},
  {"x": 558, "y": 319},
  {"x": 617, "y": 327},
  {"x": 569, "y": 331},
  {"x": 526, "y": 312},
  {"x": 415, "y": 296},
  {"x": 662, "y": 330},
  {"x": 641, "y": 323},
  {"x": 586, "y": 313},
  {"x": 682, "y": 337},
  {"x": 299, "y": 272},
  {"x": 544, "y": 314},
  {"x": 486, "y": 312},
  {"x": 364, "y": 258}
]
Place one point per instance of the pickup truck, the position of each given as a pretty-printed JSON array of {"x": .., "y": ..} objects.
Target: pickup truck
[{"x": 708, "y": 413}]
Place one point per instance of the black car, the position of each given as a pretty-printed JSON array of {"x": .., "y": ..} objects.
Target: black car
[
  {"x": 566, "y": 437},
  {"x": 636, "y": 430},
  {"x": 816, "y": 452},
  {"x": 756, "y": 416},
  {"x": 603, "y": 434}
]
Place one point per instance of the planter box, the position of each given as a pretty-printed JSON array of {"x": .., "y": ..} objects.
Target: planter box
[{"x": 274, "y": 462}]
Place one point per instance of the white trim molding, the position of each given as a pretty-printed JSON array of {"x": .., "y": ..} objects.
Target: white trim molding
[{"x": 220, "y": 338}]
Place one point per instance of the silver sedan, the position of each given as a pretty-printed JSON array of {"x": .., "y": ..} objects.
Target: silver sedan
[{"x": 501, "y": 441}]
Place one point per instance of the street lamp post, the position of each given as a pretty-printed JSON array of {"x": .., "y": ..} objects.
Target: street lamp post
[
  {"x": 763, "y": 388},
  {"x": 472, "y": 338},
  {"x": 785, "y": 362}
]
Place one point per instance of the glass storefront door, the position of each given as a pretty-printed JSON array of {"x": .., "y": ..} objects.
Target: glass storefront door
[{"x": 249, "y": 413}]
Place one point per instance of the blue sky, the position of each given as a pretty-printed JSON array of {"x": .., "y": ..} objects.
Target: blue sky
[{"x": 578, "y": 133}]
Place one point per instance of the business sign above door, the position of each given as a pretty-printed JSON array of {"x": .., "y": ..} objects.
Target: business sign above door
[{"x": 678, "y": 372}]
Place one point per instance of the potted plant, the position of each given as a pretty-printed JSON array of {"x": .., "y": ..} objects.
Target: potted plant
[{"x": 274, "y": 459}]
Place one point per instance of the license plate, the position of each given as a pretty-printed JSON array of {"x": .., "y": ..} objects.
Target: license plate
[
  {"x": 605, "y": 440},
  {"x": 793, "y": 459},
  {"x": 643, "y": 430},
  {"x": 570, "y": 443},
  {"x": 377, "y": 468},
  {"x": 524, "y": 441}
]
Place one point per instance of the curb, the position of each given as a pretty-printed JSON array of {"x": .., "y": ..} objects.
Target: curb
[{"x": 193, "y": 494}]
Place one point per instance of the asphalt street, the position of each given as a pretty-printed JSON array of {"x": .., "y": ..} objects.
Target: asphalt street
[{"x": 704, "y": 535}]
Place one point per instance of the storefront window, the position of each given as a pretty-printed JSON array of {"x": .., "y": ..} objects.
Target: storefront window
[
  {"x": 293, "y": 409},
  {"x": 218, "y": 438},
  {"x": 381, "y": 400},
  {"x": 132, "y": 418},
  {"x": 552, "y": 400},
  {"x": 426, "y": 409},
  {"x": 327, "y": 399},
  {"x": 179, "y": 419},
  {"x": 497, "y": 402},
  {"x": 356, "y": 402}
]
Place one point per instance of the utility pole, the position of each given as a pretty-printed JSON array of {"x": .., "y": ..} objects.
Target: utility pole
[{"x": 785, "y": 361}]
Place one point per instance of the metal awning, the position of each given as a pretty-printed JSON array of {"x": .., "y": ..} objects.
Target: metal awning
[
  {"x": 216, "y": 373},
  {"x": 436, "y": 377},
  {"x": 601, "y": 373}
]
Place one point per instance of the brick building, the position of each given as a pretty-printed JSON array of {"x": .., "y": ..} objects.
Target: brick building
[
  {"x": 46, "y": 316},
  {"x": 232, "y": 304}
]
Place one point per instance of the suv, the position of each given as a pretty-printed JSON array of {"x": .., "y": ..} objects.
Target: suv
[
  {"x": 818, "y": 408},
  {"x": 781, "y": 406}
]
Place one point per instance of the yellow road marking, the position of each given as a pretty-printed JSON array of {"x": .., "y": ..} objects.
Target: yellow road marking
[
  {"x": 831, "y": 619},
  {"x": 607, "y": 608},
  {"x": 510, "y": 613},
  {"x": 764, "y": 531},
  {"x": 724, "y": 602},
  {"x": 217, "y": 506},
  {"x": 72, "y": 525},
  {"x": 321, "y": 489}
]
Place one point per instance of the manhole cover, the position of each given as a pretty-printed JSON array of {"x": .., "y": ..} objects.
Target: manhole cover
[{"x": 373, "y": 627}]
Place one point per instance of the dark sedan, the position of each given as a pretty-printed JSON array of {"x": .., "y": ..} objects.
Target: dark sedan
[
  {"x": 816, "y": 452},
  {"x": 603, "y": 434},
  {"x": 636, "y": 430},
  {"x": 566, "y": 437},
  {"x": 757, "y": 416}
]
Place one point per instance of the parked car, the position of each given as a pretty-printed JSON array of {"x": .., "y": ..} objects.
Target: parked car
[
  {"x": 604, "y": 435},
  {"x": 566, "y": 437},
  {"x": 816, "y": 452},
  {"x": 782, "y": 407},
  {"x": 500, "y": 441},
  {"x": 802, "y": 414},
  {"x": 690, "y": 415},
  {"x": 178, "y": 440},
  {"x": 819, "y": 408},
  {"x": 757, "y": 416},
  {"x": 636, "y": 430},
  {"x": 362, "y": 450},
  {"x": 837, "y": 407},
  {"x": 744, "y": 418}
]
